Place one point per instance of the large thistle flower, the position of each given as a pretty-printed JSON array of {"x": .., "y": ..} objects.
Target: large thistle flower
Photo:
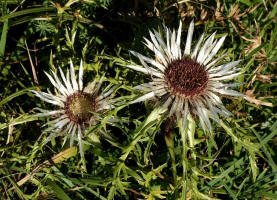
[
  {"x": 75, "y": 103},
  {"x": 187, "y": 82}
]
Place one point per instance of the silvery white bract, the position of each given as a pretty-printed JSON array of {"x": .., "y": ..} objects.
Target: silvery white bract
[
  {"x": 189, "y": 81},
  {"x": 75, "y": 104}
]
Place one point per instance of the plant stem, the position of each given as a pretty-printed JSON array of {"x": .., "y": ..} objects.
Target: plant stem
[
  {"x": 187, "y": 137},
  {"x": 184, "y": 158},
  {"x": 169, "y": 139},
  {"x": 190, "y": 132}
]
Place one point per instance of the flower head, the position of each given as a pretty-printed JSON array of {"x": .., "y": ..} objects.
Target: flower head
[
  {"x": 187, "y": 82},
  {"x": 75, "y": 103}
]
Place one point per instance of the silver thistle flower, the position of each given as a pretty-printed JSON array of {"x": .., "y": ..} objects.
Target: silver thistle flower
[
  {"x": 76, "y": 104},
  {"x": 187, "y": 82}
]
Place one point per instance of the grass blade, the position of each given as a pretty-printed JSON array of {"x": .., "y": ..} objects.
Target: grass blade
[
  {"x": 3, "y": 38},
  {"x": 59, "y": 192},
  {"x": 16, "y": 94}
]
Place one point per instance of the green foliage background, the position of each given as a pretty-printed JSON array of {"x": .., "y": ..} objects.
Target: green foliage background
[{"x": 237, "y": 162}]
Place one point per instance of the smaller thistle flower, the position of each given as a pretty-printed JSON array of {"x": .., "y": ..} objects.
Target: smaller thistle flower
[
  {"x": 76, "y": 104},
  {"x": 187, "y": 82}
]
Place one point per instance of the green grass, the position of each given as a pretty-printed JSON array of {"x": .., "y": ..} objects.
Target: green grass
[{"x": 237, "y": 161}]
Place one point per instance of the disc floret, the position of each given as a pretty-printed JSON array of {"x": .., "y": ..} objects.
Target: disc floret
[
  {"x": 186, "y": 77},
  {"x": 79, "y": 107}
]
